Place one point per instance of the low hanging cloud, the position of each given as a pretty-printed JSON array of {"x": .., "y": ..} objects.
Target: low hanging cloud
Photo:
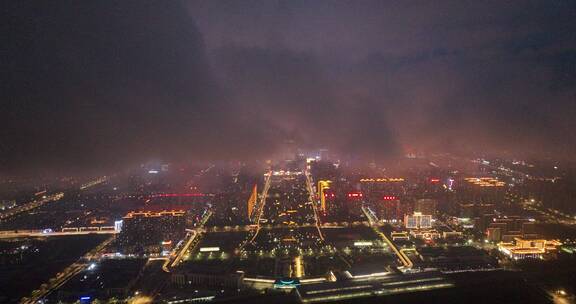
[
  {"x": 109, "y": 84},
  {"x": 380, "y": 77}
]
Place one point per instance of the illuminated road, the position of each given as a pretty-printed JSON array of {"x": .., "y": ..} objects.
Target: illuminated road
[
  {"x": 31, "y": 205},
  {"x": 180, "y": 255},
  {"x": 286, "y": 223},
  {"x": 288, "y": 201},
  {"x": 237, "y": 228},
  {"x": 94, "y": 182},
  {"x": 373, "y": 222},
  {"x": 62, "y": 277},
  {"x": 36, "y": 233},
  {"x": 261, "y": 203},
  {"x": 192, "y": 240},
  {"x": 309, "y": 184}
]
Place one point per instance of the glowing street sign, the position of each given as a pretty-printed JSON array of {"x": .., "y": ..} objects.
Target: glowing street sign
[
  {"x": 209, "y": 249},
  {"x": 363, "y": 244},
  {"x": 355, "y": 194}
]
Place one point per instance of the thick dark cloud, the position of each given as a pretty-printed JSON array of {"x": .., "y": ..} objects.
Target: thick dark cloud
[
  {"x": 91, "y": 83},
  {"x": 381, "y": 77},
  {"x": 96, "y": 84},
  {"x": 102, "y": 83}
]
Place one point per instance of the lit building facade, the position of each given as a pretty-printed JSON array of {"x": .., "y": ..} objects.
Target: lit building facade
[
  {"x": 528, "y": 248},
  {"x": 252, "y": 201},
  {"x": 418, "y": 221}
]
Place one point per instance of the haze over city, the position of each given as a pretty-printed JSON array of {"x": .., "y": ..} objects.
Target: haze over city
[
  {"x": 287, "y": 151},
  {"x": 94, "y": 85}
]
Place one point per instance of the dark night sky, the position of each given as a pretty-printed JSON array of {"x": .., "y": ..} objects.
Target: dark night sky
[{"x": 94, "y": 84}]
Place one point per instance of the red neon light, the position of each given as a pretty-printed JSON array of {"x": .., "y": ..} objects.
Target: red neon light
[
  {"x": 389, "y": 197},
  {"x": 434, "y": 180},
  {"x": 355, "y": 194},
  {"x": 178, "y": 195}
]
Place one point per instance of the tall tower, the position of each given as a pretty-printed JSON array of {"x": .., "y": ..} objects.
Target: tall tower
[
  {"x": 323, "y": 185},
  {"x": 252, "y": 201}
]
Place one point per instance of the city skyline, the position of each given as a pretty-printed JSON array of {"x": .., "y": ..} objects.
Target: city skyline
[{"x": 287, "y": 151}]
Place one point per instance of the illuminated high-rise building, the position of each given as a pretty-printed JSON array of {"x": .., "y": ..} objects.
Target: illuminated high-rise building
[
  {"x": 322, "y": 186},
  {"x": 252, "y": 201},
  {"x": 118, "y": 225},
  {"x": 418, "y": 221}
]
